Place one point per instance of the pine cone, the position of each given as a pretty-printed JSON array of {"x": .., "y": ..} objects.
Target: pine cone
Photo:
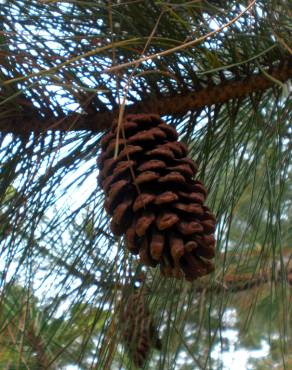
[
  {"x": 153, "y": 198},
  {"x": 138, "y": 330}
]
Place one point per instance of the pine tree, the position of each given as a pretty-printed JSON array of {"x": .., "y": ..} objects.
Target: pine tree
[{"x": 215, "y": 72}]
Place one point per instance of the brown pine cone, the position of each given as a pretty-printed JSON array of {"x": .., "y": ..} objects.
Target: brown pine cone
[
  {"x": 139, "y": 333},
  {"x": 154, "y": 199}
]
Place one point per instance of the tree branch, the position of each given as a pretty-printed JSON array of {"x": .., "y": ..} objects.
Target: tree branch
[
  {"x": 231, "y": 283},
  {"x": 38, "y": 347},
  {"x": 234, "y": 283},
  {"x": 30, "y": 121}
]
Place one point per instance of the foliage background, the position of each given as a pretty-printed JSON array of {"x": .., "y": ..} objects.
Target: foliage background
[{"x": 64, "y": 279}]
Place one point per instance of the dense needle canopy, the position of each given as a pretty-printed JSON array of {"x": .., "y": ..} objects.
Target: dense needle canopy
[{"x": 216, "y": 70}]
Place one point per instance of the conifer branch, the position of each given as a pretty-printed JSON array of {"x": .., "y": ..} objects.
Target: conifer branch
[{"x": 177, "y": 105}]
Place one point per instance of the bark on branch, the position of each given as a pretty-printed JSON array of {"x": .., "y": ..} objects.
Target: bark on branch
[
  {"x": 174, "y": 105},
  {"x": 234, "y": 283}
]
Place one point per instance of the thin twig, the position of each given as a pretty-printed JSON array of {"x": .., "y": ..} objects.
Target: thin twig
[{"x": 180, "y": 47}]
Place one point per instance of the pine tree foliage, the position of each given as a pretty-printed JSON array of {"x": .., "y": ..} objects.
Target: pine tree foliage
[{"x": 217, "y": 71}]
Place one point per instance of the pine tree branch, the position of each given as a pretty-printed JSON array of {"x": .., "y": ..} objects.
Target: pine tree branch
[
  {"x": 231, "y": 283},
  {"x": 37, "y": 344},
  {"x": 87, "y": 278},
  {"x": 234, "y": 283},
  {"x": 30, "y": 120}
]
